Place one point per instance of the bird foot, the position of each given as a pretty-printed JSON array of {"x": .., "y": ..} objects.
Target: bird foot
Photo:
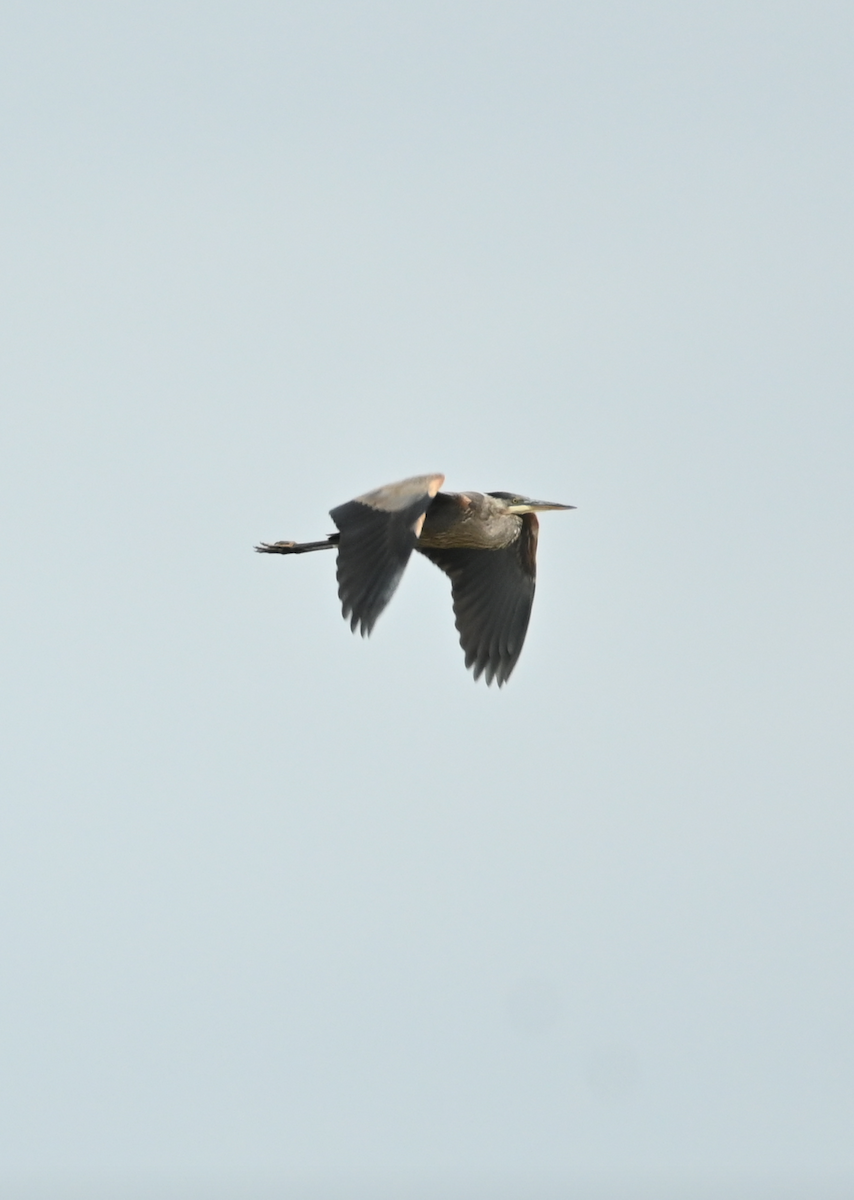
[{"x": 276, "y": 547}]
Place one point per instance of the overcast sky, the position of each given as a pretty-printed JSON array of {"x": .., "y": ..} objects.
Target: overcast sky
[{"x": 285, "y": 909}]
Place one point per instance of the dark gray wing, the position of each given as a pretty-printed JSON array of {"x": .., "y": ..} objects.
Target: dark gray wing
[
  {"x": 493, "y": 592},
  {"x": 378, "y": 532}
]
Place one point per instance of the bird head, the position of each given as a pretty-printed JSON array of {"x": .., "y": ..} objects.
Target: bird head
[{"x": 523, "y": 504}]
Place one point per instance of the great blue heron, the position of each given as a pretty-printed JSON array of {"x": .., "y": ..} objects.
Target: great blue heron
[{"x": 485, "y": 541}]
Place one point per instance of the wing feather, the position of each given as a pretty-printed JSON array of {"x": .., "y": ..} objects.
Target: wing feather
[
  {"x": 493, "y": 593},
  {"x": 377, "y": 536}
]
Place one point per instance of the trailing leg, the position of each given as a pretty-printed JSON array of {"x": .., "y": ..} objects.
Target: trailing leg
[{"x": 298, "y": 547}]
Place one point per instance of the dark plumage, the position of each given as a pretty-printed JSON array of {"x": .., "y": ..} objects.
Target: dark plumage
[{"x": 485, "y": 542}]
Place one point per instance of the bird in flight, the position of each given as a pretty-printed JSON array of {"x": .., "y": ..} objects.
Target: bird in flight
[{"x": 486, "y": 542}]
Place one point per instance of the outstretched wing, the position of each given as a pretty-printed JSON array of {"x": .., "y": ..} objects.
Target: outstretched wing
[
  {"x": 378, "y": 534},
  {"x": 493, "y": 592}
]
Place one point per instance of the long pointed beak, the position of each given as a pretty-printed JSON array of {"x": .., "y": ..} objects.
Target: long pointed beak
[{"x": 538, "y": 506}]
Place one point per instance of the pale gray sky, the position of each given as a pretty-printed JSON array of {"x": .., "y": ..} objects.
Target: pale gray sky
[{"x": 285, "y": 909}]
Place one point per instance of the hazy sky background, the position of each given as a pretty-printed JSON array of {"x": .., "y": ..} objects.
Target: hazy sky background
[{"x": 284, "y": 908}]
